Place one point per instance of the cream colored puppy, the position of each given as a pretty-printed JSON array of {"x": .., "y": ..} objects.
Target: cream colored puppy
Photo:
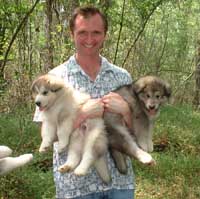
[{"x": 59, "y": 104}]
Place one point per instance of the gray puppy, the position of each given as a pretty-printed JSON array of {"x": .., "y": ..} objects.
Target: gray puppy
[{"x": 145, "y": 96}]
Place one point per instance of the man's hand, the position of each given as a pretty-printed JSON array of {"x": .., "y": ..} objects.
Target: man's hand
[
  {"x": 91, "y": 109},
  {"x": 114, "y": 103}
]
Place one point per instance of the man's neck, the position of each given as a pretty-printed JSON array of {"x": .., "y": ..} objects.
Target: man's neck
[{"x": 90, "y": 64}]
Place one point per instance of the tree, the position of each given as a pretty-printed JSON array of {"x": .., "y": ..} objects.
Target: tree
[
  {"x": 48, "y": 55},
  {"x": 21, "y": 24},
  {"x": 196, "y": 100}
]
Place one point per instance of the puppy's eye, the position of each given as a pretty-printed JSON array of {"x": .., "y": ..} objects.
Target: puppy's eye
[
  {"x": 148, "y": 96},
  {"x": 157, "y": 96},
  {"x": 45, "y": 93}
]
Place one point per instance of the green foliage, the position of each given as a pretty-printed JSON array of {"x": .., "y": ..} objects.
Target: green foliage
[{"x": 146, "y": 37}]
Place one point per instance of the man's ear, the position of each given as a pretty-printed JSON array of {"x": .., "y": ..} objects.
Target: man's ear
[{"x": 71, "y": 35}]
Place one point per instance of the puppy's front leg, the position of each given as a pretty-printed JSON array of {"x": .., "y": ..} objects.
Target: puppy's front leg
[
  {"x": 48, "y": 135},
  {"x": 64, "y": 131},
  {"x": 145, "y": 143},
  {"x": 149, "y": 140}
]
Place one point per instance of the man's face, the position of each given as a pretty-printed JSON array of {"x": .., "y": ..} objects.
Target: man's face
[{"x": 88, "y": 35}]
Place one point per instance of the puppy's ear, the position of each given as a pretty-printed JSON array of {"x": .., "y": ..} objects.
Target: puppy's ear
[
  {"x": 138, "y": 86},
  {"x": 55, "y": 84},
  {"x": 33, "y": 86},
  {"x": 167, "y": 90}
]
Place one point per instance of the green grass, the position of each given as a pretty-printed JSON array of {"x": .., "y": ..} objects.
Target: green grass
[
  {"x": 177, "y": 149},
  {"x": 34, "y": 181}
]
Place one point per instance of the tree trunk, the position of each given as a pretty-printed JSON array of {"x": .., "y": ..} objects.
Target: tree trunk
[
  {"x": 48, "y": 55},
  {"x": 196, "y": 100}
]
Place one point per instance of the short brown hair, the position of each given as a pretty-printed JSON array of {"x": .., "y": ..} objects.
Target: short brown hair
[{"x": 87, "y": 11}]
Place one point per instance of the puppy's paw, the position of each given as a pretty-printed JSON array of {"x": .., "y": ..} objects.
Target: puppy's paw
[
  {"x": 43, "y": 149},
  {"x": 152, "y": 163},
  {"x": 147, "y": 159},
  {"x": 65, "y": 168},
  {"x": 80, "y": 171},
  {"x": 26, "y": 158}
]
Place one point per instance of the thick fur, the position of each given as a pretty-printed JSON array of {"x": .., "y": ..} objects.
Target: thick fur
[
  {"x": 7, "y": 164},
  {"x": 145, "y": 96},
  {"x": 59, "y": 104}
]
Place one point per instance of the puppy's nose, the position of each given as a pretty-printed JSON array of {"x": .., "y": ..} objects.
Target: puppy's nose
[
  {"x": 38, "y": 103},
  {"x": 152, "y": 107}
]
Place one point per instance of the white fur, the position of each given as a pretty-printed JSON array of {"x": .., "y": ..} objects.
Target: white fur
[{"x": 7, "y": 164}]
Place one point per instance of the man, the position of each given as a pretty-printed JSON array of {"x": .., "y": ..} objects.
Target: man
[{"x": 88, "y": 71}]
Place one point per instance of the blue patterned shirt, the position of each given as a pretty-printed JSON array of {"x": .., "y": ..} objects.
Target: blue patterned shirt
[{"x": 109, "y": 78}]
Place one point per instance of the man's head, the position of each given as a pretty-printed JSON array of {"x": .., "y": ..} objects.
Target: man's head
[
  {"x": 88, "y": 30},
  {"x": 87, "y": 12}
]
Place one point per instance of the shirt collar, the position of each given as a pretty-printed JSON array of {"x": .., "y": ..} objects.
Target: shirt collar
[{"x": 74, "y": 67}]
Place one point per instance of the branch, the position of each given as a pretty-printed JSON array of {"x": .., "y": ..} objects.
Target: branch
[
  {"x": 184, "y": 81},
  {"x": 120, "y": 30},
  {"x": 141, "y": 30},
  {"x": 15, "y": 35},
  {"x": 163, "y": 50}
]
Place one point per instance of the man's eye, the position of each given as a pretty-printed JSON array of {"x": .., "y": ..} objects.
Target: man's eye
[
  {"x": 82, "y": 33},
  {"x": 97, "y": 32},
  {"x": 45, "y": 93}
]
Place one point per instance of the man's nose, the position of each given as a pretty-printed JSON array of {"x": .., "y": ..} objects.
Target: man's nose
[{"x": 89, "y": 38}]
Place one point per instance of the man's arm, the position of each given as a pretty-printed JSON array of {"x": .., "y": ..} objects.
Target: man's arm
[
  {"x": 114, "y": 103},
  {"x": 91, "y": 109},
  {"x": 111, "y": 102}
]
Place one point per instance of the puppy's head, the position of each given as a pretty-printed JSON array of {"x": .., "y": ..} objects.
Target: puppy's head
[
  {"x": 45, "y": 90},
  {"x": 152, "y": 93}
]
